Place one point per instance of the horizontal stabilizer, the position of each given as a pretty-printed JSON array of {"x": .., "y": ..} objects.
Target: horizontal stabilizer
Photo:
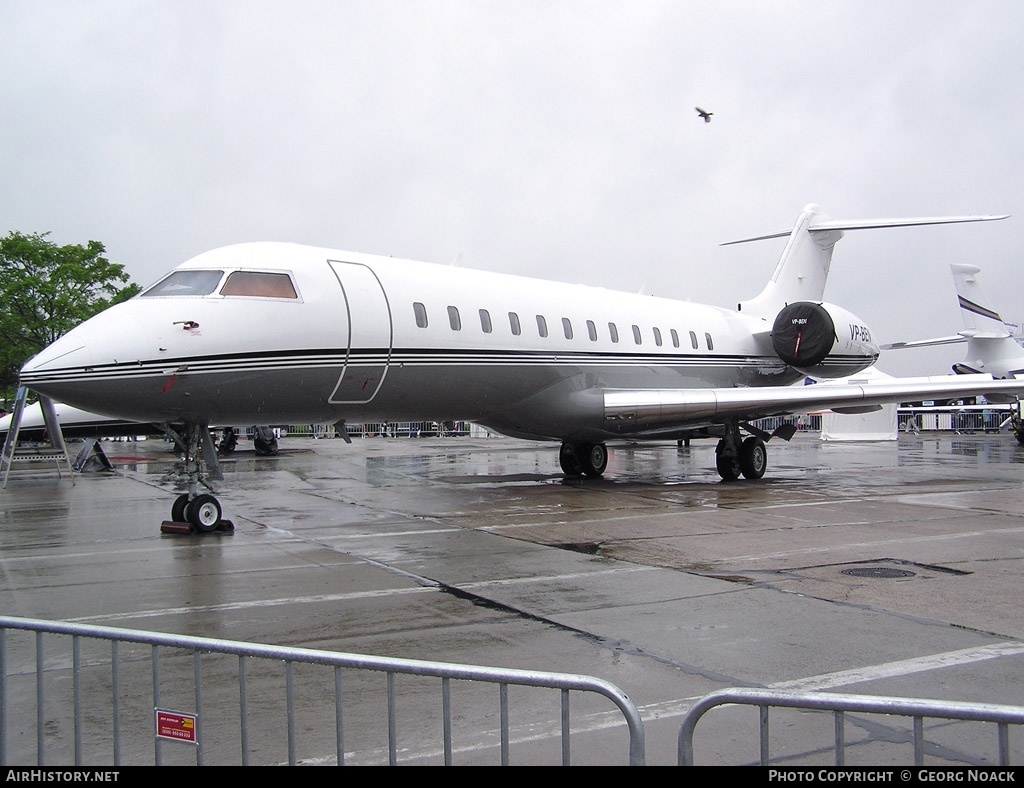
[{"x": 831, "y": 225}]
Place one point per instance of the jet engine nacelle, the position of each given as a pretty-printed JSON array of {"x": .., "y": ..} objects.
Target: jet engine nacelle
[{"x": 823, "y": 340}]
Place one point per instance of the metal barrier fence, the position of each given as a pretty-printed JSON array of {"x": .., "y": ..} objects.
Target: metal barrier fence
[
  {"x": 36, "y": 679},
  {"x": 59, "y": 698},
  {"x": 968, "y": 419},
  {"x": 810, "y": 422},
  {"x": 385, "y": 429},
  {"x": 838, "y": 705}
]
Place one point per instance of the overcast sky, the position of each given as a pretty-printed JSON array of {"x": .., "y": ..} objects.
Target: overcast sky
[{"x": 552, "y": 139}]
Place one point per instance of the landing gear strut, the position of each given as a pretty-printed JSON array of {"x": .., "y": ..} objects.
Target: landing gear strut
[
  {"x": 583, "y": 459},
  {"x": 195, "y": 511}
]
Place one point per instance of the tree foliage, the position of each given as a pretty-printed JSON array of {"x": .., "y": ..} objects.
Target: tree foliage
[{"x": 45, "y": 291}]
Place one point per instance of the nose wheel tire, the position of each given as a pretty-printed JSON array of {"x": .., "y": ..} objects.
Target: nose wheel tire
[
  {"x": 204, "y": 513},
  {"x": 178, "y": 509}
]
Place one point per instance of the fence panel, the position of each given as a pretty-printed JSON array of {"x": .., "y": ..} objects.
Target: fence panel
[{"x": 80, "y": 694}]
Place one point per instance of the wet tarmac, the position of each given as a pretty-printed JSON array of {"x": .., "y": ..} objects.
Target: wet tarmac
[{"x": 885, "y": 568}]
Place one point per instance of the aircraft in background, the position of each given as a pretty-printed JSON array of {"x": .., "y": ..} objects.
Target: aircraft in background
[
  {"x": 991, "y": 347},
  {"x": 285, "y": 333},
  {"x": 75, "y": 423}
]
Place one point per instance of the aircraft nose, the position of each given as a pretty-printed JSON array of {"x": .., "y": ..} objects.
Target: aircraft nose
[
  {"x": 52, "y": 368},
  {"x": 67, "y": 351}
]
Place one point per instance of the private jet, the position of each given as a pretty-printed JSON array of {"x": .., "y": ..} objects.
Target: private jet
[
  {"x": 279, "y": 333},
  {"x": 78, "y": 424},
  {"x": 991, "y": 346},
  {"x": 74, "y": 423}
]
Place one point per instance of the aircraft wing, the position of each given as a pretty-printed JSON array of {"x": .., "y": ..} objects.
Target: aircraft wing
[{"x": 657, "y": 410}]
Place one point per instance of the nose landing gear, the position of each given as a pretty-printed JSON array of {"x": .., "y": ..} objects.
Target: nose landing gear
[
  {"x": 202, "y": 513},
  {"x": 194, "y": 511}
]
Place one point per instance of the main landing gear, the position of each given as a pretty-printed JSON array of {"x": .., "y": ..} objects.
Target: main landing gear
[
  {"x": 583, "y": 459},
  {"x": 195, "y": 511},
  {"x": 736, "y": 455},
  {"x": 751, "y": 460}
]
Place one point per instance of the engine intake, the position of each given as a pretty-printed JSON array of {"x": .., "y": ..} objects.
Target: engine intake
[
  {"x": 803, "y": 334},
  {"x": 822, "y": 340}
]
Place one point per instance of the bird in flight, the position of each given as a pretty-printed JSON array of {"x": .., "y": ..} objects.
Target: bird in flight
[{"x": 704, "y": 114}]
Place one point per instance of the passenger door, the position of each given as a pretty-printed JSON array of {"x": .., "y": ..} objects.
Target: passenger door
[{"x": 370, "y": 334}]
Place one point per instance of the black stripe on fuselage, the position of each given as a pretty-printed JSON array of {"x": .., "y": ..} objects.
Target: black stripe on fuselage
[{"x": 339, "y": 358}]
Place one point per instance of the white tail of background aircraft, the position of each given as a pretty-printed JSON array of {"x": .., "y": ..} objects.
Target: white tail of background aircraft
[
  {"x": 272, "y": 333},
  {"x": 991, "y": 347}
]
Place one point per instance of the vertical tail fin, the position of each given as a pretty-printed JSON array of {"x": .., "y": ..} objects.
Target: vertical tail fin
[
  {"x": 979, "y": 319},
  {"x": 803, "y": 268},
  {"x": 991, "y": 347}
]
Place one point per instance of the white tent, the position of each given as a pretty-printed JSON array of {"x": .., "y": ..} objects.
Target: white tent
[{"x": 878, "y": 425}]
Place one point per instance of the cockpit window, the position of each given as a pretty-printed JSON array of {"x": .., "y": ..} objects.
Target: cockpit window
[
  {"x": 259, "y": 284},
  {"x": 186, "y": 283}
]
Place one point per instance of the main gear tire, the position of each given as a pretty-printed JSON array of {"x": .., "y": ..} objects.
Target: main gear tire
[{"x": 753, "y": 458}]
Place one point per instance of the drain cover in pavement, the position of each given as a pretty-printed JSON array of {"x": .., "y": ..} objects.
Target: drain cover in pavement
[{"x": 877, "y": 571}]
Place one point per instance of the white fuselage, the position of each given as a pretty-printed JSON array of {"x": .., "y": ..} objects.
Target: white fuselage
[{"x": 366, "y": 338}]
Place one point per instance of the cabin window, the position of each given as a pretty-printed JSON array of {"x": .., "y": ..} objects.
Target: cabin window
[
  {"x": 259, "y": 284},
  {"x": 636, "y": 335},
  {"x": 420, "y": 312},
  {"x": 186, "y": 283},
  {"x": 513, "y": 323},
  {"x": 613, "y": 332},
  {"x": 542, "y": 326},
  {"x": 707, "y": 338},
  {"x": 693, "y": 340},
  {"x": 657, "y": 336},
  {"x": 453, "y": 318},
  {"x": 567, "y": 328},
  {"x": 675, "y": 337},
  {"x": 485, "y": 321},
  {"x": 592, "y": 331}
]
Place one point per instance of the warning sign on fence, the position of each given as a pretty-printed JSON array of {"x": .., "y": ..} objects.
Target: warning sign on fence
[{"x": 176, "y": 725}]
